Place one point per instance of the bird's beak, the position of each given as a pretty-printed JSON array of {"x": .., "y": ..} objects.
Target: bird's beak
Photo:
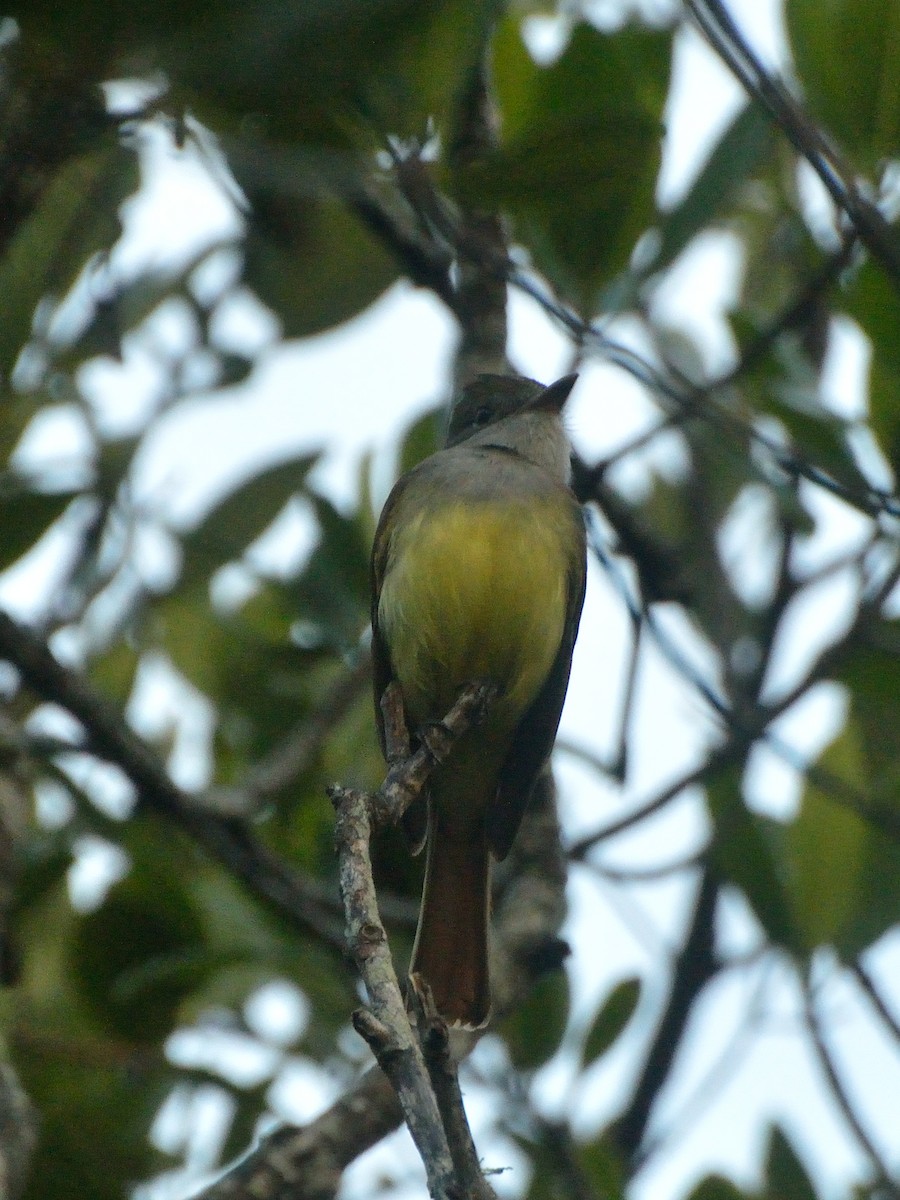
[{"x": 553, "y": 397}]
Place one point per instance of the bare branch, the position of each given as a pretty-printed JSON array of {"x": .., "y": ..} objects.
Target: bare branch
[
  {"x": 557, "y": 1140},
  {"x": 699, "y": 401},
  {"x": 406, "y": 778},
  {"x": 18, "y": 1134},
  {"x": 442, "y": 1070},
  {"x": 386, "y": 1028},
  {"x": 425, "y": 260},
  {"x": 307, "y": 1163},
  {"x": 793, "y": 316},
  {"x": 385, "y": 1025},
  {"x": 869, "y": 986},
  {"x": 580, "y": 849}
]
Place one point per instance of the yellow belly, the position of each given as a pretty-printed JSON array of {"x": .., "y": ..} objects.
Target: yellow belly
[{"x": 476, "y": 590}]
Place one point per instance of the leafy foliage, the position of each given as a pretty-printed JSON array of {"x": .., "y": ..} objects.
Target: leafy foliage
[{"x": 335, "y": 129}]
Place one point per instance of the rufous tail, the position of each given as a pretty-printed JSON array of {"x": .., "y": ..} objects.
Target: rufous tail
[{"x": 451, "y": 950}]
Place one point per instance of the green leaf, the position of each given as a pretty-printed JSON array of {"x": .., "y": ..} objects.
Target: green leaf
[
  {"x": 309, "y": 71},
  {"x": 250, "y": 1105},
  {"x": 324, "y": 68},
  {"x": 16, "y": 410},
  {"x": 311, "y": 260},
  {"x": 44, "y": 864},
  {"x": 845, "y": 52},
  {"x": 716, "y": 1187},
  {"x": 77, "y": 215},
  {"x": 424, "y": 437},
  {"x": 75, "y": 1069},
  {"x": 844, "y": 872},
  {"x": 97, "y": 1085},
  {"x": 616, "y": 1010},
  {"x": 236, "y": 520},
  {"x": 25, "y": 516},
  {"x": 786, "y": 1177},
  {"x": 602, "y": 1165},
  {"x": 580, "y": 151},
  {"x": 139, "y": 954},
  {"x": 130, "y": 303},
  {"x": 114, "y": 671},
  {"x": 745, "y": 850},
  {"x": 743, "y": 145},
  {"x": 534, "y": 1030},
  {"x": 872, "y": 300},
  {"x": 185, "y": 628},
  {"x": 871, "y": 672},
  {"x": 818, "y": 438},
  {"x": 333, "y": 590}
]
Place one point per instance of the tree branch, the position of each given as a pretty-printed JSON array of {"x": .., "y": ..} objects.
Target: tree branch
[
  {"x": 868, "y": 985},
  {"x": 385, "y": 1025},
  {"x": 307, "y": 1163},
  {"x": 694, "y": 968},
  {"x": 530, "y": 906},
  {"x": 481, "y": 240},
  {"x": 883, "y": 1176},
  {"x": 442, "y": 1071},
  {"x": 108, "y": 735},
  {"x": 876, "y": 234}
]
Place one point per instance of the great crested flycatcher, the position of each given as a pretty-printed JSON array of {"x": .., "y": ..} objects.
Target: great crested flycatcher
[{"x": 478, "y": 572}]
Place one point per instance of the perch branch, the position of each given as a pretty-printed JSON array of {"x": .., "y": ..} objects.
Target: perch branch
[
  {"x": 529, "y": 899},
  {"x": 442, "y": 1071},
  {"x": 385, "y": 1025}
]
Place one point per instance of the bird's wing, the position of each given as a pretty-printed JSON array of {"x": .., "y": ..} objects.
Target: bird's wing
[
  {"x": 536, "y": 732},
  {"x": 415, "y": 819}
]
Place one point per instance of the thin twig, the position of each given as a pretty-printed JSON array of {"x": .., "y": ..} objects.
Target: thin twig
[
  {"x": 868, "y": 985},
  {"x": 444, "y": 1077},
  {"x": 755, "y": 724},
  {"x": 579, "y": 850},
  {"x": 651, "y": 873},
  {"x": 700, "y": 402},
  {"x": 480, "y": 237},
  {"x": 793, "y": 315},
  {"x": 710, "y": 1087},
  {"x": 805, "y": 136},
  {"x": 694, "y": 967},
  {"x": 883, "y": 1175},
  {"x": 406, "y": 778}
]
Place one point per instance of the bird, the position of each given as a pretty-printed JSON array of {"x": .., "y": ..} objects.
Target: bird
[{"x": 478, "y": 576}]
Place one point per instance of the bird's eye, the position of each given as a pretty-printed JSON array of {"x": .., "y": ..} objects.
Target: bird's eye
[{"x": 482, "y": 416}]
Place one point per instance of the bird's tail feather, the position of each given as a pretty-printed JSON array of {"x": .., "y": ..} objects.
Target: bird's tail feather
[{"x": 451, "y": 950}]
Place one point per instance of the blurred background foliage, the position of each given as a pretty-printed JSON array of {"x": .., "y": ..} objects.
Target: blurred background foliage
[{"x": 331, "y": 125}]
